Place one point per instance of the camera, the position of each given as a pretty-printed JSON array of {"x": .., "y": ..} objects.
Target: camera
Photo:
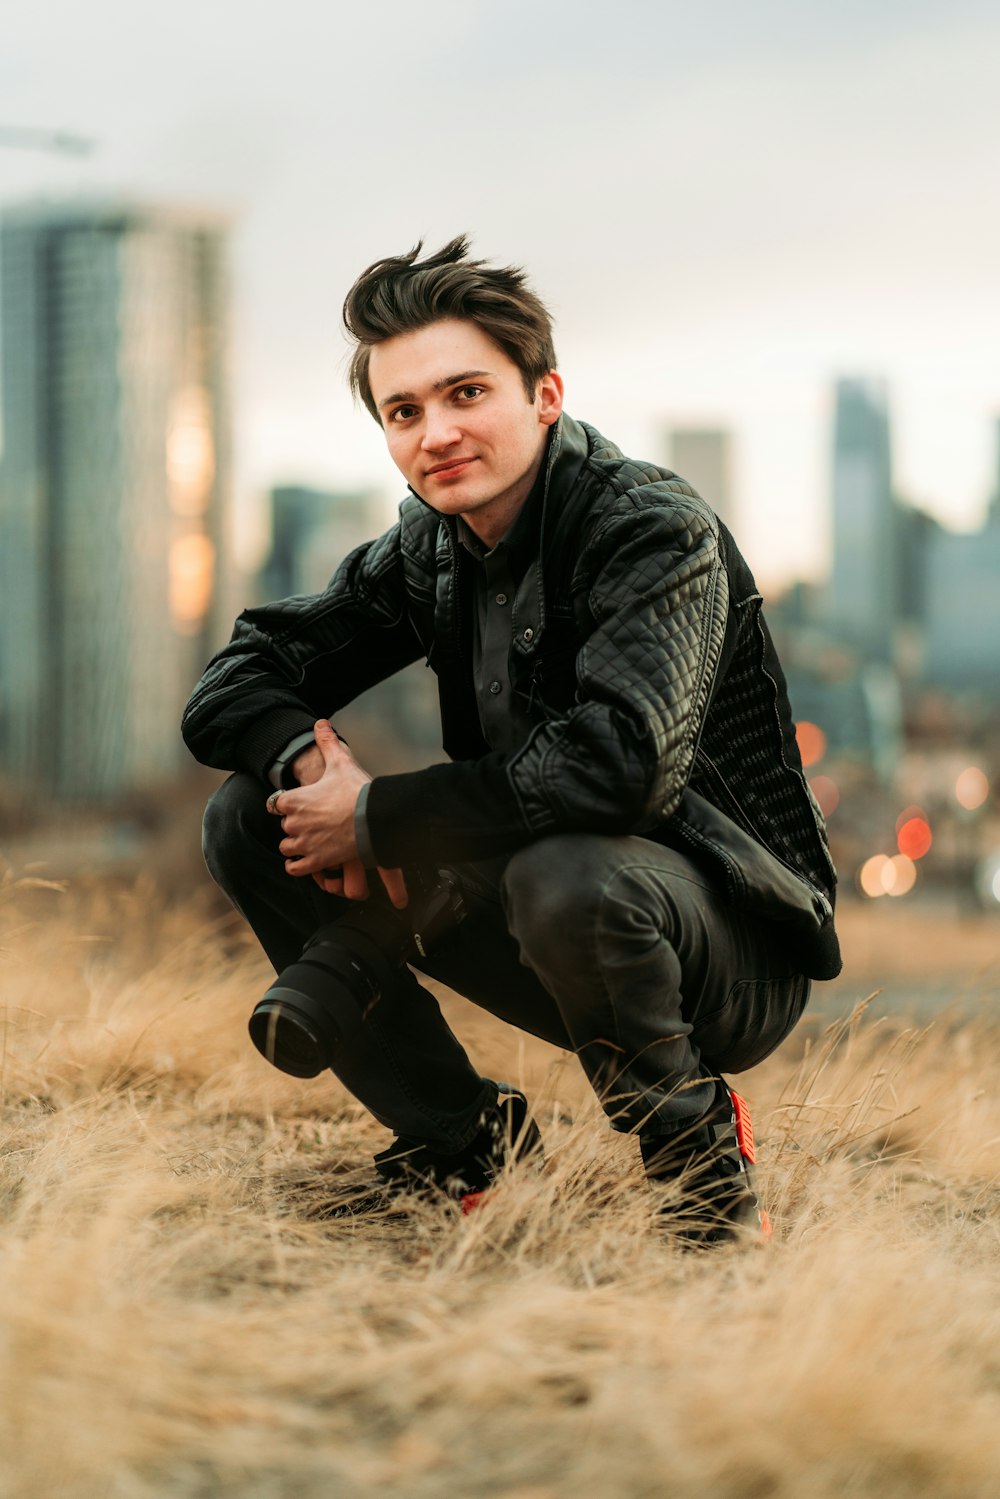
[{"x": 323, "y": 997}]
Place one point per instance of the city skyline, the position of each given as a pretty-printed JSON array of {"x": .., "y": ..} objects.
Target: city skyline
[
  {"x": 114, "y": 498},
  {"x": 800, "y": 197}
]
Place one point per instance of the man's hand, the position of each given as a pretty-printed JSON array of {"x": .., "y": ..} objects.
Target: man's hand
[
  {"x": 317, "y": 818},
  {"x": 309, "y": 765}
]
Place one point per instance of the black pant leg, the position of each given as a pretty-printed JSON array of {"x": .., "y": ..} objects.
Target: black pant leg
[
  {"x": 659, "y": 980},
  {"x": 405, "y": 1064}
]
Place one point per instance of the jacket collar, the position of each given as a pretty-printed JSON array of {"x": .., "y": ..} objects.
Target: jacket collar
[{"x": 567, "y": 454}]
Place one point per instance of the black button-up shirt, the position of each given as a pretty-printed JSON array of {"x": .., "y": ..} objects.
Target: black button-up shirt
[{"x": 504, "y": 715}]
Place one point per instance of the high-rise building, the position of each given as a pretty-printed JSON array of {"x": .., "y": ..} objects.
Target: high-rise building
[
  {"x": 962, "y": 643},
  {"x": 916, "y": 533},
  {"x": 113, "y": 488},
  {"x": 703, "y": 456},
  {"x": 312, "y": 531},
  {"x": 863, "y": 590}
]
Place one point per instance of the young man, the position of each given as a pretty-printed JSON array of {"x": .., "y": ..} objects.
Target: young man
[{"x": 645, "y": 872}]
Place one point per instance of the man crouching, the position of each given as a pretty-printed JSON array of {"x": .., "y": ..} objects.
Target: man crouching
[{"x": 645, "y": 875}]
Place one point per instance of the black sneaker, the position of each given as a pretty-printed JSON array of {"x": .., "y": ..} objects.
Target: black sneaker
[
  {"x": 410, "y": 1168},
  {"x": 712, "y": 1162}
]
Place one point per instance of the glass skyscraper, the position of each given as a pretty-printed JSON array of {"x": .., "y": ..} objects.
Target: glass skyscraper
[
  {"x": 114, "y": 488},
  {"x": 864, "y": 603}
]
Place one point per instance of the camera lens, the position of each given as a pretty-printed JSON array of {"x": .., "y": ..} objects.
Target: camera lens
[
  {"x": 286, "y": 1036},
  {"x": 321, "y": 1000}
]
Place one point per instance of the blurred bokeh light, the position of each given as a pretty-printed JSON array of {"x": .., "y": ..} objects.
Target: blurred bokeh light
[
  {"x": 811, "y": 741},
  {"x": 885, "y": 875},
  {"x": 972, "y": 788},
  {"x": 914, "y": 838}
]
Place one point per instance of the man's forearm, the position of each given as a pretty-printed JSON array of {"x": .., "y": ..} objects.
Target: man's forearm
[{"x": 445, "y": 813}]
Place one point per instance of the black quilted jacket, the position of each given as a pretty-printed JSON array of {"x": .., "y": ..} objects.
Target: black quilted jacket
[{"x": 639, "y": 642}]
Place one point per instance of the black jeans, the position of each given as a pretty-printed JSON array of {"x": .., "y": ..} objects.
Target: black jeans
[{"x": 618, "y": 949}]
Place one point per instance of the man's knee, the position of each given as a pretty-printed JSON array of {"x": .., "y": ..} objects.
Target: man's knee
[
  {"x": 555, "y": 884},
  {"x": 235, "y": 814},
  {"x": 622, "y": 888}
]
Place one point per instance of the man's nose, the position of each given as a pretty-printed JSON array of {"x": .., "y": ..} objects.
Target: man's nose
[{"x": 440, "y": 431}]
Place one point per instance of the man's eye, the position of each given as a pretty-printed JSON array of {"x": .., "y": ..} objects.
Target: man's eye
[
  {"x": 402, "y": 413},
  {"x": 470, "y": 392}
]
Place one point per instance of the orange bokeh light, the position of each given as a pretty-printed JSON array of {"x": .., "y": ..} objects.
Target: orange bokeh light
[
  {"x": 874, "y": 875},
  {"x": 914, "y": 838},
  {"x": 881, "y": 875},
  {"x": 901, "y": 876},
  {"x": 972, "y": 788},
  {"x": 911, "y": 811},
  {"x": 811, "y": 741}
]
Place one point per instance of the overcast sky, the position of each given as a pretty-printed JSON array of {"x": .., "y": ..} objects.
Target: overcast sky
[{"x": 724, "y": 205}]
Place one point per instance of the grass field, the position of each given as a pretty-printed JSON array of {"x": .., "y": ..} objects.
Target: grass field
[{"x": 175, "y": 1320}]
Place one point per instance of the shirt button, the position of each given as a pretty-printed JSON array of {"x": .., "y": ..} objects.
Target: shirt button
[
  {"x": 501, "y": 598},
  {"x": 495, "y": 687},
  {"x": 529, "y": 634}
]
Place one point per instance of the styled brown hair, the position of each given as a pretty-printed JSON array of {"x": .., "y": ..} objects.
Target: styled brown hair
[{"x": 401, "y": 294}]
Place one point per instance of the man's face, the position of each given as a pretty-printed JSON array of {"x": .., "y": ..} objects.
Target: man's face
[{"x": 458, "y": 422}]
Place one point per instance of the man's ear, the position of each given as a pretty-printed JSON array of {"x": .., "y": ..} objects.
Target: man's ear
[{"x": 550, "y": 398}]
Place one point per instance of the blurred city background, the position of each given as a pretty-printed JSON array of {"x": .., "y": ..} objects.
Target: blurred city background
[{"x": 776, "y": 274}]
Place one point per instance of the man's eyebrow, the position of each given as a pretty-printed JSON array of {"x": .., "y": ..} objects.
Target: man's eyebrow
[{"x": 439, "y": 385}]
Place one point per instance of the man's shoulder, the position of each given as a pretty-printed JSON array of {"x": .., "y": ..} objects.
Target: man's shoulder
[
  {"x": 418, "y": 527},
  {"x": 632, "y": 485}
]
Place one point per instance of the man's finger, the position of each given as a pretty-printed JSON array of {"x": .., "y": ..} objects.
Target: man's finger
[
  {"x": 282, "y": 803},
  {"x": 355, "y": 880},
  {"x": 395, "y": 886},
  {"x": 327, "y": 741}
]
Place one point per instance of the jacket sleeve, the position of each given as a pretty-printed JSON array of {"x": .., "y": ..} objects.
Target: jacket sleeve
[
  {"x": 618, "y": 761},
  {"x": 291, "y": 662}
]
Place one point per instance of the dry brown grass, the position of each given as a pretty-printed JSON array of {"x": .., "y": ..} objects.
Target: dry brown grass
[{"x": 174, "y": 1322}]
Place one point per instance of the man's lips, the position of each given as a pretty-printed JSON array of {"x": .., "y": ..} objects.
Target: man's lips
[{"x": 454, "y": 466}]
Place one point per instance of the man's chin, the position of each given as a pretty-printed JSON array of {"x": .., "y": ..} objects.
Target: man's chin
[{"x": 454, "y": 501}]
